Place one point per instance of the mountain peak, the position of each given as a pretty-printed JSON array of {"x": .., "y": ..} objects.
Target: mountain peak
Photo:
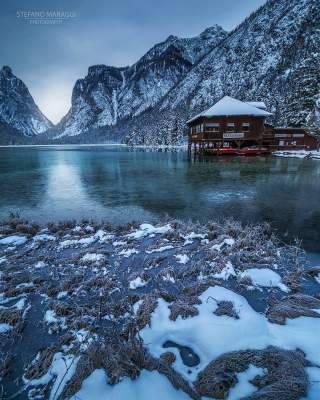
[
  {"x": 212, "y": 31},
  {"x": 98, "y": 69},
  {"x": 6, "y": 71},
  {"x": 172, "y": 38}
]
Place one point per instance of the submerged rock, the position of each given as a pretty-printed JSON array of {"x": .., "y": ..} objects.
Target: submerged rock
[{"x": 188, "y": 356}]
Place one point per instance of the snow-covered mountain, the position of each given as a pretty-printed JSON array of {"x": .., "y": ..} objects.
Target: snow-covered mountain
[
  {"x": 94, "y": 101},
  {"x": 108, "y": 95},
  {"x": 273, "y": 56},
  {"x": 18, "y": 111}
]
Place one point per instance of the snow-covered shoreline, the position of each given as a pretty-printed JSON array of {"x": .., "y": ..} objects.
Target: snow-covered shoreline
[
  {"x": 314, "y": 154},
  {"x": 182, "y": 146},
  {"x": 66, "y": 145},
  {"x": 143, "y": 307}
]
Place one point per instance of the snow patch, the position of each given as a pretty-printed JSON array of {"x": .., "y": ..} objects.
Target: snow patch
[
  {"x": 298, "y": 154},
  {"x": 226, "y": 272},
  {"x": 160, "y": 249},
  {"x": 40, "y": 264},
  {"x": 60, "y": 295},
  {"x": 5, "y": 328},
  {"x": 149, "y": 385},
  {"x": 148, "y": 229},
  {"x": 44, "y": 237},
  {"x": 251, "y": 331},
  {"x": 225, "y": 242},
  {"x": 61, "y": 370},
  {"x": 92, "y": 258},
  {"x": 14, "y": 240},
  {"x": 137, "y": 283},
  {"x": 314, "y": 383},
  {"x": 182, "y": 258},
  {"x": 189, "y": 238},
  {"x": 50, "y": 317},
  {"x": 265, "y": 277},
  {"x": 119, "y": 243},
  {"x": 128, "y": 252},
  {"x": 244, "y": 388}
]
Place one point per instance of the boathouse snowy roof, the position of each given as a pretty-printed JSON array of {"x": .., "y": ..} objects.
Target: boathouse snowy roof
[
  {"x": 258, "y": 104},
  {"x": 228, "y": 106}
]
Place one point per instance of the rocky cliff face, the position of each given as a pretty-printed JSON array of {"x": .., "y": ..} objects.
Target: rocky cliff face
[
  {"x": 18, "y": 111},
  {"x": 108, "y": 95},
  {"x": 94, "y": 101}
]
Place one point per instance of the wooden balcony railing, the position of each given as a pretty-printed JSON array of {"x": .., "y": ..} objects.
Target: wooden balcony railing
[{"x": 228, "y": 136}]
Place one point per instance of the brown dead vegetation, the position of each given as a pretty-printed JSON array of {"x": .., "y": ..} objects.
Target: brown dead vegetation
[
  {"x": 119, "y": 350},
  {"x": 143, "y": 315},
  {"x": 184, "y": 307},
  {"x": 6, "y": 361},
  {"x": 12, "y": 291},
  {"x": 62, "y": 309},
  {"x": 285, "y": 378},
  {"x": 198, "y": 288},
  {"x": 10, "y": 316},
  {"x": 293, "y": 306},
  {"x": 41, "y": 364},
  {"x": 226, "y": 307}
]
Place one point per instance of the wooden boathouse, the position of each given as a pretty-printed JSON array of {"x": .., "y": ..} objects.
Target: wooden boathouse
[{"x": 232, "y": 126}]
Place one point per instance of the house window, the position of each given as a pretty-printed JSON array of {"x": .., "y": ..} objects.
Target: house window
[
  {"x": 231, "y": 127},
  {"x": 245, "y": 126},
  {"x": 199, "y": 128},
  {"x": 212, "y": 127}
]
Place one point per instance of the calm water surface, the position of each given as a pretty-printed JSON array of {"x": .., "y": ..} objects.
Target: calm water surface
[{"x": 121, "y": 185}]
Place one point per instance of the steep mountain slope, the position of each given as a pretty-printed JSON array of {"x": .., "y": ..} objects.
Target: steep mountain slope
[
  {"x": 108, "y": 95},
  {"x": 274, "y": 56},
  {"x": 18, "y": 111},
  {"x": 162, "y": 67},
  {"x": 94, "y": 101}
]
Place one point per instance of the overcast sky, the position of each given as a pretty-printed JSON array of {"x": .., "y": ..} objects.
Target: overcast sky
[{"x": 50, "y": 57}]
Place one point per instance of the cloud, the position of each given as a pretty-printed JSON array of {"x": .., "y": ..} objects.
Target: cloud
[{"x": 54, "y": 100}]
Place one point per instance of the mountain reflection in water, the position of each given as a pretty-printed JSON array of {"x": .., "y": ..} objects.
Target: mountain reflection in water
[{"x": 120, "y": 185}]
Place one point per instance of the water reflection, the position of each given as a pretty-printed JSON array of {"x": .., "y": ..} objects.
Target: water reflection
[
  {"x": 22, "y": 179},
  {"x": 120, "y": 185},
  {"x": 69, "y": 196}
]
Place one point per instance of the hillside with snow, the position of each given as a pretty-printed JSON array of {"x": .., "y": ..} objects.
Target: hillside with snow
[
  {"x": 108, "y": 95},
  {"x": 273, "y": 56},
  {"x": 19, "y": 115}
]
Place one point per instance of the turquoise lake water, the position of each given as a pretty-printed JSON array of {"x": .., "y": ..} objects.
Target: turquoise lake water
[{"x": 118, "y": 184}]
